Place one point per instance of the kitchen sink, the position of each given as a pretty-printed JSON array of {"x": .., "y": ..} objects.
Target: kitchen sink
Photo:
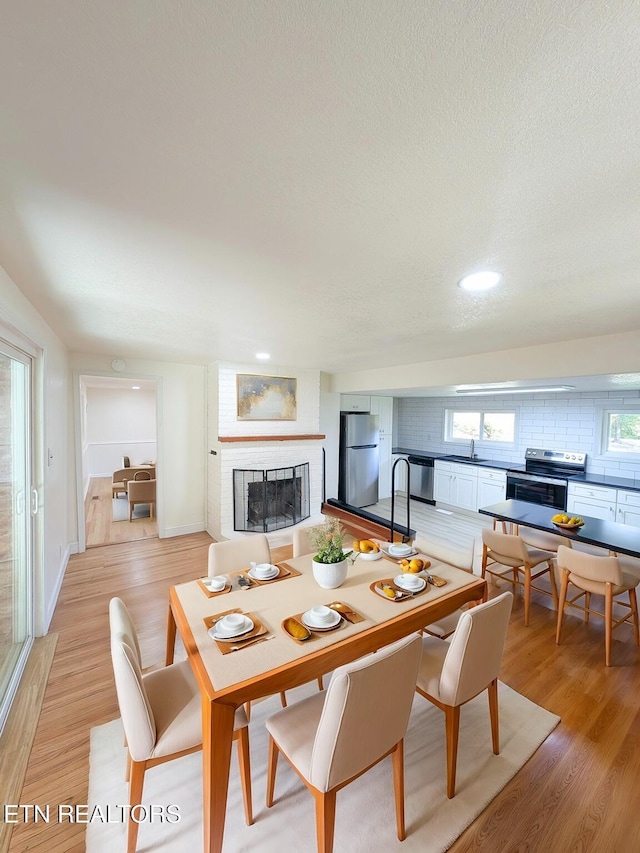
[{"x": 454, "y": 458}]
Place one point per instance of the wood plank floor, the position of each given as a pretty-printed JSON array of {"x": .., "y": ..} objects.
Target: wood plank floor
[
  {"x": 100, "y": 527},
  {"x": 579, "y": 792}
]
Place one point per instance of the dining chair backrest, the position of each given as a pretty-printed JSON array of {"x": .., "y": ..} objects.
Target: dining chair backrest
[
  {"x": 235, "y": 554},
  {"x": 589, "y": 566},
  {"x": 142, "y": 475},
  {"x": 135, "y": 709},
  {"x": 301, "y": 543},
  {"x": 366, "y": 712},
  {"x": 505, "y": 545},
  {"x": 126, "y": 462},
  {"x": 475, "y": 650}
]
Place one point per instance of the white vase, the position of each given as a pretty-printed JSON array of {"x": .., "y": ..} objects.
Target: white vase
[{"x": 330, "y": 575}]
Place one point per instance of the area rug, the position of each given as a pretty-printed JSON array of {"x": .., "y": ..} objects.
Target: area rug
[
  {"x": 365, "y": 818},
  {"x": 120, "y": 510}
]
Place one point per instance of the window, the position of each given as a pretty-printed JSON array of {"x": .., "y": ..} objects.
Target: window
[
  {"x": 622, "y": 432},
  {"x": 481, "y": 426}
]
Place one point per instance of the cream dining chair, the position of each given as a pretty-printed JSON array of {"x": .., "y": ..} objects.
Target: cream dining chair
[
  {"x": 161, "y": 714},
  {"x": 510, "y": 555},
  {"x": 233, "y": 554},
  {"x": 454, "y": 672},
  {"x": 332, "y": 738},
  {"x": 301, "y": 543},
  {"x": 594, "y": 575}
]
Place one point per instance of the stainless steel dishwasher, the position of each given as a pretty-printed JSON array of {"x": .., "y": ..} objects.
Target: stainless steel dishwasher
[{"x": 421, "y": 470}]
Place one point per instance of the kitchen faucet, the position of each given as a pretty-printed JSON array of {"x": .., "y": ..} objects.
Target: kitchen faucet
[{"x": 471, "y": 449}]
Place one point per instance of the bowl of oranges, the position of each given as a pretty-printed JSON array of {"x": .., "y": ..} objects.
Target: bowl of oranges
[{"x": 367, "y": 549}]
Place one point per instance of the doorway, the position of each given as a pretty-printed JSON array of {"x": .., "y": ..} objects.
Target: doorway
[{"x": 118, "y": 434}]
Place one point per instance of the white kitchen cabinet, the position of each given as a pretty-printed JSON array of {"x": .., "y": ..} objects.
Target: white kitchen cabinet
[
  {"x": 401, "y": 473},
  {"x": 355, "y": 403},
  {"x": 383, "y": 408},
  {"x": 628, "y": 508},
  {"x": 456, "y": 485},
  {"x": 596, "y": 501},
  {"x": 492, "y": 486},
  {"x": 384, "y": 477}
]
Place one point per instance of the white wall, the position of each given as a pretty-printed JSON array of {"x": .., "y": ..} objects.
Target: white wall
[
  {"x": 54, "y": 481},
  {"x": 330, "y": 427},
  {"x": 181, "y": 465},
  {"x": 569, "y": 421},
  {"x": 120, "y": 422}
]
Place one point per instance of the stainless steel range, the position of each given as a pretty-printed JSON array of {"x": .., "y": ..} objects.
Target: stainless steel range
[{"x": 543, "y": 477}]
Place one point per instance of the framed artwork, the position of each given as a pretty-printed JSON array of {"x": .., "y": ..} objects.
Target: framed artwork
[{"x": 266, "y": 398}]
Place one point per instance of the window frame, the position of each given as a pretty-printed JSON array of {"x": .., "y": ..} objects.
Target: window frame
[
  {"x": 449, "y": 414},
  {"x": 605, "y": 418}
]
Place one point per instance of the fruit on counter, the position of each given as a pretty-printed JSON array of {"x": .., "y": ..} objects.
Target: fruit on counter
[
  {"x": 366, "y": 546},
  {"x": 563, "y": 518}
]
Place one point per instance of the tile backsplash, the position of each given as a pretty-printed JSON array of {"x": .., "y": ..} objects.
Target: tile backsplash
[{"x": 553, "y": 421}]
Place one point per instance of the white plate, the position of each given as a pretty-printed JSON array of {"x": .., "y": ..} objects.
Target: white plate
[
  {"x": 373, "y": 555},
  {"x": 220, "y": 634},
  {"x": 400, "y": 550},
  {"x": 331, "y": 623},
  {"x": 275, "y": 571},
  {"x": 400, "y": 581}
]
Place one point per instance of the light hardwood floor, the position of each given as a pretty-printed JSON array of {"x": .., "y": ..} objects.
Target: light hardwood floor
[
  {"x": 100, "y": 527},
  {"x": 579, "y": 792}
]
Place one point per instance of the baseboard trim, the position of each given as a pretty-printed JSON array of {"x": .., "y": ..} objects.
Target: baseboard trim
[
  {"x": 19, "y": 732},
  {"x": 51, "y": 605},
  {"x": 184, "y": 530}
]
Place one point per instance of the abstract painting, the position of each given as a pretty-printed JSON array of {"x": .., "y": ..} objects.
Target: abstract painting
[{"x": 266, "y": 398}]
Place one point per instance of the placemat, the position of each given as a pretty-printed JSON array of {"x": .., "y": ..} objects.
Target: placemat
[
  {"x": 210, "y": 593},
  {"x": 284, "y": 571},
  {"x": 321, "y": 631},
  {"x": 405, "y": 593}
]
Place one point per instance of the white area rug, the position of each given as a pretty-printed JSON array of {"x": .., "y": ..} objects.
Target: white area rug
[{"x": 365, "y": 819}]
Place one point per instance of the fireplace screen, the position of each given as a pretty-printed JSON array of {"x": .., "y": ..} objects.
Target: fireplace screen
[{"x": 270, "y": 500}]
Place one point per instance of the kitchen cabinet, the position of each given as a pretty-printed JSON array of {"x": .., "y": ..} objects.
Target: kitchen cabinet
[
  {"x": 628, "y": 508},
  {"x": 596, "y": 501},
  {"x": 492, "y": 486},
  {"x": 383, "y": 408},
  {"x": 355, "y": 403},
  {"x": 456, "y": 485}
]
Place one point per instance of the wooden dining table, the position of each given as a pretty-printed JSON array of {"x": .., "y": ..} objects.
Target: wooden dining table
[{"x": 227, "y": 681}]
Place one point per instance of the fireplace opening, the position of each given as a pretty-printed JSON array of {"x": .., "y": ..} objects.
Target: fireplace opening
[{"x": 270, "y": 500}]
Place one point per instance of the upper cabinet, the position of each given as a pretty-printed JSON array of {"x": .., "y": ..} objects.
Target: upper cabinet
[
  {"x": 383, "y": 408},
  {"x": 355, "y": 403}
]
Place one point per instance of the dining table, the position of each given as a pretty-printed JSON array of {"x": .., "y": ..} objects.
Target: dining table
[
  {"x": 261, "y": 668},
  {"x": 616, "y": 537}
]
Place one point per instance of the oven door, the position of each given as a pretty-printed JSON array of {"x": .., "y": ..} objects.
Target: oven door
[{"x": 537, "y": 490}]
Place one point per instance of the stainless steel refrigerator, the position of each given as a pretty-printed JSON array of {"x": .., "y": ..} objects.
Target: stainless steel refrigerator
[{"x": 359, "y": 464}]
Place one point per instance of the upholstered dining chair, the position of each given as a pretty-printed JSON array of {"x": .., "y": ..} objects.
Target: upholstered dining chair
[
  {"x": 332, "y": 738},
  {"x": 510, "y": 555},
  {"x": 141, "y": 492},
  {"x": 454, "y": 672},
  {"x": 595, "y": 575},
  {"x": 235, "y": 554},
  {"x": 301, "y": 543},
  {"x": 161, "y": 714}
]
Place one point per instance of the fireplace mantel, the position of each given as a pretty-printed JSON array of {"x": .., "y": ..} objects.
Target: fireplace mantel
[{"x": 235, "y": 438}]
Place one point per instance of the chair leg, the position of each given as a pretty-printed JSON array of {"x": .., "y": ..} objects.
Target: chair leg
[
  {"x": 493, "y": 713},
  {"x": 325, "y": 819},
  {"x": 527, "y": 593},
  {"x": 608, "y": 623},
  {"x": 452, "y": 723},
  {"x": 136, "y": 782},
  {"x": 244, "y": 763},
  {"x": 247, "y": 710},
  {"x": 397, "y": 758},
  {"x": 127, "y": 774},
  {"x": 272, "y": 766},
  {"x": 283, "y": 699},
  {"x": 320, "y": 684},
  {"x": 633, "y": 602},
  {"x": 552, "y": 581},
  {"x": 587, "y": 607},
  {"x": 564, "y": 584}
]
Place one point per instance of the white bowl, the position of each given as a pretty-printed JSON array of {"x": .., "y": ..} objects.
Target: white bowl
[
  {"x": 322, "y": 614},
  {"x": 372, "y": 555},
  {"x": 398, "y": 549},
  {"x": 263, "y": 571},
  {"x": 409, "y": 581},
  {"x": 233, "y": 625},
  {"x": 215, "y": 584},
  {"x": 310, "y": 622}
]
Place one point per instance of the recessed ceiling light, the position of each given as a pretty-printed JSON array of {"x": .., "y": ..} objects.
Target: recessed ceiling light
[
  {"x": 480, "y": 280},
  {"x": 263, "y": 355},
  {"x": 135, "y": 387}
]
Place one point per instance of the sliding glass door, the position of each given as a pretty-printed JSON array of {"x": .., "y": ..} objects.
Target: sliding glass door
[{"x": 16, "y": 581}]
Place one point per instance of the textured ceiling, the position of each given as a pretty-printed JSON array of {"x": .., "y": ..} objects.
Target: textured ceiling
[{"x": 200, "y": 180}]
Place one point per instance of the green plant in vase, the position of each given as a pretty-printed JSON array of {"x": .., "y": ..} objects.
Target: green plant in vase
[{"x": 330, "y": 560}]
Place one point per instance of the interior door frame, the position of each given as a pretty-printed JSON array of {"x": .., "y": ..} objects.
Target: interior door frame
[{"x": 77, "y": 417}]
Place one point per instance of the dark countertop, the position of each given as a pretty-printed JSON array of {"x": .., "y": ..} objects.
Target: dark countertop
[{"x": 589, "y": 479}]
